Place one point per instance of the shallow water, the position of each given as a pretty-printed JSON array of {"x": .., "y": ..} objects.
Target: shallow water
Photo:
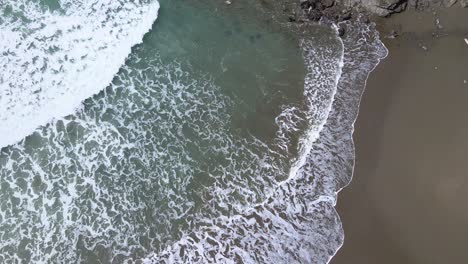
[{"x": 199, "y": 150}]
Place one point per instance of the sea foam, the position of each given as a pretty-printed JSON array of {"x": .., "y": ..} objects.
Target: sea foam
[
  {"x": 128, "y": 176},
  {"x": 283, "y": 226},
  {"x": 52, "y": 60},
  {"x": 298, "y": 223}
]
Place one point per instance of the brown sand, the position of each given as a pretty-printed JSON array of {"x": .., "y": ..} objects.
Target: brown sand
[{"x": 408, "y": 201}]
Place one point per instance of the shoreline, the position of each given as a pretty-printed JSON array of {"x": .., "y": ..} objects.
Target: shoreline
[
  {"x": 400, "y": 30},
  {"x": 409, "y": 27},
  {"x": 369, "y": 211}
]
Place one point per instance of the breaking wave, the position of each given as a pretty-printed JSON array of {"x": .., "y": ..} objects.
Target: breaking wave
[{"x": 56, "y": 56}]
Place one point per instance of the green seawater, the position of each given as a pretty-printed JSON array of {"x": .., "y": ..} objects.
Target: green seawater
[{"x": 203, "y": 121}]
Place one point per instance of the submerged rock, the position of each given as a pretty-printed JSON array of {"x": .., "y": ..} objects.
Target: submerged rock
[
  {"x": 341, "y": 31},
  {"x": 327, "y": 3},
  {"x": 314, "y": 15},
  {"x": 393, "y": 34}
]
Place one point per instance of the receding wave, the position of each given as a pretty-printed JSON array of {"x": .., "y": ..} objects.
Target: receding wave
[
  {"x": 298, "y": 222},
  {"x": 57, "y": 54}
]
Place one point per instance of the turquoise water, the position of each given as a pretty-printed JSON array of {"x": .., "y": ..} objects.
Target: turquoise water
[{"x": 201, "y": 148}]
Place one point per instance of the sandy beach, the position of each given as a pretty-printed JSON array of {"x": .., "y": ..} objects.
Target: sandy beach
[{"x": 407, "y": 201}]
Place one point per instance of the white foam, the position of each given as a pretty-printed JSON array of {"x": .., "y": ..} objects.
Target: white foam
[
  {"x": 261, "y": 227},
  {"x": 53, "y": 60},
  {"x": 120, "y": 172},
  {"x": 102, "y": 172},
  {"x": 319, "y": 95},
  {"x": 298, "y": 222}
]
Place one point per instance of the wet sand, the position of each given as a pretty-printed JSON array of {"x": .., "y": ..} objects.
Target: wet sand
[{"x": 408, "y": 201}]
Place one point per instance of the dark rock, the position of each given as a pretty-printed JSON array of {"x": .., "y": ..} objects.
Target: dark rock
[
  {"x": 392, "y": 6},
  {"x": 314, "y": 15},
  {"x": 341, "y": 10},
  {"x": 319, "y": 6},
  {"x": 305, "y": 4},
  {"x": 327, "y": 3},
  {"x": 400, "y": 8},
  {"x": 365, "y": 19},
  {"x": 378, "y": 7},
  {"x": 413, "y": 3},
  {"x": 449, "y": 3},
  {"x": 393, "y": 34},
  {"x": 332, "y": 13},
  {"x": 345, "y": 15},
  {"x": 314, "y": 3},
  {"x": 341, "y": 31},
  {"x": 419, "y": 5}
]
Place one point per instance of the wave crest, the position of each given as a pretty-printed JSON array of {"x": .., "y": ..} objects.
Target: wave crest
[{"x": 55, "y": 57}]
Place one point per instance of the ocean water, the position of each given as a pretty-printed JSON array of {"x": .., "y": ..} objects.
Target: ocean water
[{"x": 174, "y": 131}]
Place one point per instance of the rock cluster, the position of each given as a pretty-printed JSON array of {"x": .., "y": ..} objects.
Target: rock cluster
[
  {"x": 339, "y": 10},
  {"x": 388, "y": 7},
  {"x": 316, "y": 9}
]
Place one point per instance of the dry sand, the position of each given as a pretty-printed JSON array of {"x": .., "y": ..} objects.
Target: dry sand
[{"x": 408, "y": 201}]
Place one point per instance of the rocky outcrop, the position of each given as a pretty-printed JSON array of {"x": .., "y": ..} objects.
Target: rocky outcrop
[
  {"x": 340, "y": 10},
  {"x": 379, "y": 7},
  {"x": 314, "y": 10},
  {"x": 388, "y": 7}
]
